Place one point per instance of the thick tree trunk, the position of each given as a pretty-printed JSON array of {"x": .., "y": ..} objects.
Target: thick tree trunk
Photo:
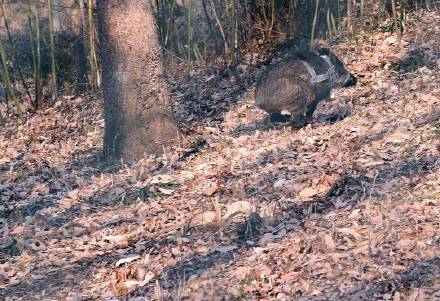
[{"x": 138, "y": 111}]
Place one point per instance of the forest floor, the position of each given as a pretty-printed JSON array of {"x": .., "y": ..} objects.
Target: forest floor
[{"x": 347, "y": 208}]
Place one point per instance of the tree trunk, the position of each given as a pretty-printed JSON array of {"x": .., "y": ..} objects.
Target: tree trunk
[
  {"x": 304, "y": 12},
  {"x": 71, "y": 34},
  {"x": 138, "y": 112}
]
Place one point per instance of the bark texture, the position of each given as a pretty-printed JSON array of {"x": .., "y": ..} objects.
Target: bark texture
[
  {"x": 138, "y": 112},
  {"x": 304, "y": 12}
]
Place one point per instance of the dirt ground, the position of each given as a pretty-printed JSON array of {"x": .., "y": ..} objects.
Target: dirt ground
[{"x": 346, "y": 208}]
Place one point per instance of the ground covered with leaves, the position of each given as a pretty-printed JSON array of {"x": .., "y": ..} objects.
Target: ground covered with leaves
[{"x": 346, "y": 208}]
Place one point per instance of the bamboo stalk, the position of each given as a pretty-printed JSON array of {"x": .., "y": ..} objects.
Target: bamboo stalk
[
  {"x": 338, "y": 15},
  {"x": 95, "y": 57},
  {"x": 83, "y": 24},
  {"x": 362, "y": 12},
  {"x": 10, "y": 94},
  {"x": 329, "y": 24},
  {"x": 164, "y": 17},
  {"x": 208, "y": 19},
  {"x": 362, "y": 8},
  {"x": 273, "y": 15},
  {"x": 248, "y": 33},
  {"x": 33, "y": 51},
  {"x": 315, "y": 19},
  {"x": 38, "y": 91},
  {"x": 170, "y": 23},
  {"x": 335, "y": 28},
  {"x": 158, "y": 12},
  {"x": 210, "y": 28},
  {"x": 92, "y": 54},
  {"x": 403, "y": 8},
  {"x": 14, "y": 53},
  {"x": 97, "y": 74},
  {"x": 214, "y": 11},
  {"x": 2, "y": 119},
  {"x": 85, "y": 44},
  {"x": 52, "y": 50},
  {"x": 235, "y": 30},
  {"x": 189, "y": 34},
  {"x": 395, "y": 19},
  {"x": 235, "y": 48}
]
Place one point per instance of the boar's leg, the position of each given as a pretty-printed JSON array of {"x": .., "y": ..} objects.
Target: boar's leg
[
  {"x": 311, "y": 109},
  {"x": 299, "y": 121},
  {"x": 278, "y": 117}
]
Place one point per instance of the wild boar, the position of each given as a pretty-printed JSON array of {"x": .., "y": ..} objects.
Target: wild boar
[{"x": 298, "y": 82}]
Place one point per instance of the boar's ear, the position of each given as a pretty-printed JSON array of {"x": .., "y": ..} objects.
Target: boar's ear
[{"x": 324, "y": 51}]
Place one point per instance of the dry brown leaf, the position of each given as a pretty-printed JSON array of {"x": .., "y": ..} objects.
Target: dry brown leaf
[
  {"x": 162, "y": 179},
  {"x": 234, "y": 208},
  {"x": 207, "y": 217},
  {"x": 241, "y": 273},
  {"x": 329, "y": 242},
  {"x": 263, "y": 271},
  {"x": 305, "y": 285},
  {"x": 210, "y": 189},
  {"x": 309, "y": 192},
  {"x": 67, "y": 203},
  {"x": 13, "y": 281}
]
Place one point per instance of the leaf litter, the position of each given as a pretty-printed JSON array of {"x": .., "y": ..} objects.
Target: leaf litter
[{"x": 346, "y": 208}]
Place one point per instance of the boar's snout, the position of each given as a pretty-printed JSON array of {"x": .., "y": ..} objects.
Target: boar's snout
[{"x": 350, "y": 81}]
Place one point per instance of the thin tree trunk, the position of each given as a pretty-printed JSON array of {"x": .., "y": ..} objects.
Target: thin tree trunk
[
  {"x": 81, "y": 49},
  {"x": 208, "y": 19},
  {"x": 220, "y": 27},
  {"x": 273, "y": 15},
  {"x": 189, "y": 34},
  {"x": 138, "y": 110},
  {"x": 14, "y": 53},
  {"x": 92, "y": 55},
  {"x": 2, "y": 119},
  {"x": 10, "y": 94},
  {"x": 396, "y": 24},
  {"x": 234, "y": 29},
  {"x": 236, "y": 53},
  {"x": 32, "y": 34},
  {"x": 315, "y": 19},
  {"x": 38, "y": 92},
  {"x": 52, "y": 50}
]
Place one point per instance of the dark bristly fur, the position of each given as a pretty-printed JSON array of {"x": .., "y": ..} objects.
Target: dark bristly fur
[{"x": 286, "y": 86}]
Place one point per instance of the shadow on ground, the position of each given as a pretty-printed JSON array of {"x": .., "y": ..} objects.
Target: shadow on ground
[{"x": 349, "y": 186}]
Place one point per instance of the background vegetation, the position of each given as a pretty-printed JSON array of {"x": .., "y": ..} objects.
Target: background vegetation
[{"x": 50, "y": 48}]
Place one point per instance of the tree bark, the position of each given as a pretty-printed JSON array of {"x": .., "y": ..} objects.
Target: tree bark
[
  {"x": 304, "y": 12},
  {"x": 138, "y": 111}
]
